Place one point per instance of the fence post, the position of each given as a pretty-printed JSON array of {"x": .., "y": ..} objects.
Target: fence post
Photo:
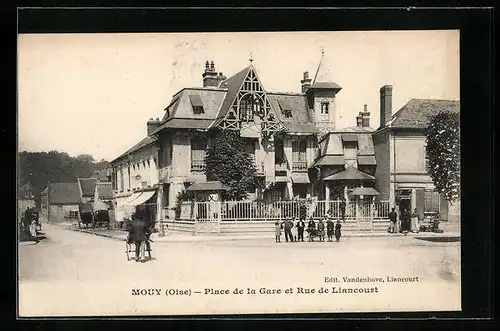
[
  {"x": 219, "y": 212},
  {"x": 195, "y": 214}
]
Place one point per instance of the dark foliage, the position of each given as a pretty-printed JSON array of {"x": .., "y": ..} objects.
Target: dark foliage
[
  {"x": 443, "y": 153},
  {"x": 40, "y": 168},
  {"x": 229, "y": 162}
]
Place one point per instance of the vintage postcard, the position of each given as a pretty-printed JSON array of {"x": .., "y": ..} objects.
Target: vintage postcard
[{"x": 230, "y": 173}]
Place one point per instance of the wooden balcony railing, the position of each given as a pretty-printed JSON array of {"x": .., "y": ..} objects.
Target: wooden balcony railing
[
  {"x": 299, "y": 166},
  {"x": 198, "y": 165}
]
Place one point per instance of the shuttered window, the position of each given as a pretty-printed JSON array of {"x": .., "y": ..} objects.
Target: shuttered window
[
  {"x": 299, "y": 148},
  {"x": 198, "y": 153}
]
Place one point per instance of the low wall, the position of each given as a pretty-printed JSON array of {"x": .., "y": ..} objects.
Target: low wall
[{"x": 262, "y": 226}]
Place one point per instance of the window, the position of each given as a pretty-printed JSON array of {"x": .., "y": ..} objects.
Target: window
[
  {"x": 279, "y": 151},
  {"x": 426, "y": 160},
  {"x": 299, "y": 148},
  {"x": 198, "y": 152},
  {"x": 73, "y": 214},
  {"x": 351, "y": 154},
  {"x": 196, "y": 103},
  {"x": 285, "y": 108},
  {"x": 246, "y": 108},
  {"x": 325, "y": 107}
]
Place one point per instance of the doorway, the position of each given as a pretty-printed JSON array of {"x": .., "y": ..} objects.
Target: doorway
[{"x": 404, "y": 204}]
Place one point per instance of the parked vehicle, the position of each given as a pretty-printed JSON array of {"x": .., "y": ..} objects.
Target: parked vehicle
[
  {"x": 430, "y": 222},
  {"x": 86, "y": 214},
  {"x": 101, "y": 215}
]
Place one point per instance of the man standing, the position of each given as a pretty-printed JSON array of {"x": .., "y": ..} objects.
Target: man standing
[
  {"x": 393, "y": 217},
  {"x": 288, "y": 229},
  {"x": 330, "y": 227},
  {"x": 300, "y": 229},
  {"x": 342, "y": 210}
]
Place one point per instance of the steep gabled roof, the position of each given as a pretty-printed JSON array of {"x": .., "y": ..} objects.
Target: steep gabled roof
[
  {"x": 64, "y": 193},
  {"x": 87, "y": 186},
  {"x": 417, "y": 112},
  {"x": 232, "y": 84}
]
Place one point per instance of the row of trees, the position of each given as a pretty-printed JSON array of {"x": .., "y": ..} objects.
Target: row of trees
[{"x": 40, "y": 168}]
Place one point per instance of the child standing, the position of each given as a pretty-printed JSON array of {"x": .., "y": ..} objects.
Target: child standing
[
  {"x": 277, "y": 231},
  {"x": 338, "y": 233}
]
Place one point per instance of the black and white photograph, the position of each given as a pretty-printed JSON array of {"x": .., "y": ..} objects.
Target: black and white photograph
[{"x": 238, "y": 172}]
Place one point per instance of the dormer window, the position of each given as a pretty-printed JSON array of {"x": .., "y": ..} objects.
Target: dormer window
[
  {"x": 197, "y": 104},
  {"x": 285, "y": 108}
]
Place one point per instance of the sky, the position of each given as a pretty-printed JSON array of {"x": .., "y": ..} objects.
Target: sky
[{"x": 94, "y": 93}]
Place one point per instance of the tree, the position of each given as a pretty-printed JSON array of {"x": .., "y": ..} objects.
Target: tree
[
  {"x": 228, "y": 161},
  {"x": 443, "y": 153}
]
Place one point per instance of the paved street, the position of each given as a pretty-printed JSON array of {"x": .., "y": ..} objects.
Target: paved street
[{"x": 73, "y": 273}]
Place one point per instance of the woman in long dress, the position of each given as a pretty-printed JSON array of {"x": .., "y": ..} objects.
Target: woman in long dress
[{"x": 414, "y": 221}]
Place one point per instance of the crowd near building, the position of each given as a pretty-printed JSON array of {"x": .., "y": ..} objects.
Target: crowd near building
[{"x": 298, "y": 150}]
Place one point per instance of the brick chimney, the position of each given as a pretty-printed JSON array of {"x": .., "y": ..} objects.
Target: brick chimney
[
  {"x": 359, "y": 120},
  {"x": 210, "y": 76},
  {"x": 220, "y": 79},
  {"x": 385, "y": 104},
  {"x": 305, "y": 82},
  {"x": 152, "y": 125},
  {"x": 365, "y": 115}
]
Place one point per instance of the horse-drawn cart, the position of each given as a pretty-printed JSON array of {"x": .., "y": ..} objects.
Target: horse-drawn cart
[{"x": 93, "y": 215}]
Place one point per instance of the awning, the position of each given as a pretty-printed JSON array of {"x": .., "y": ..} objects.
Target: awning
[
  {"x": 134, "y": 196},
  {"x": 329, "y": 160},
  {"x": 145, "y": 196},
  {"x": 300, "y": 178},
  {"x": 350, "y": 137},
  {"x": 364, "y": 191},
  {"x": 366, "y": 160},
  {"x": 350, "y": 173}
]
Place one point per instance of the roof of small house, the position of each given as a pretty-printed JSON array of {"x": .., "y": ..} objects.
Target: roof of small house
[
  {"x": 64, "y": 193},
  {"x": 104, "y": 189},
  {"x": 87, "y": 186},
  {"x": 364, "y": 191},
  {"x": 417, "y": 112},
  {"x": 350, "y": 173},
  {"x": 332, "y": 144}
]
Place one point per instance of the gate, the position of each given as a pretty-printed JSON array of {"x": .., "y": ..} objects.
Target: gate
[
  {"x": 207, "y": 216},
  {"x": 364, "y": 216}
]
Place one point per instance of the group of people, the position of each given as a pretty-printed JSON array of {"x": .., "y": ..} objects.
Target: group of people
[
  {"x": 408, "y": 222},
  {"x": 29, "y": 223},
  {"x": 312, "y": 230},
  {"x": 139, "y": 233}
]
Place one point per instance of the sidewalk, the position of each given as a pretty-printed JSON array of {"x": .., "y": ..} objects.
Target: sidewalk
[{"x": 174, "y": 236}]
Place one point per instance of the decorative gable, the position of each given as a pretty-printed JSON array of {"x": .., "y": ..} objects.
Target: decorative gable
[{"x": 251, "y": 106}]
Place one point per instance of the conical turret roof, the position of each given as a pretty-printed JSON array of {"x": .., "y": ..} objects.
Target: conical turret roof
[{"x": 323, "y": 77}]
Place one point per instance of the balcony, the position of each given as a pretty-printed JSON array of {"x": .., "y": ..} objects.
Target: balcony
[
  {"x": 299, "y": 166},
  {"x": 259, "y": 169},
  {"x": 198, "y": 165},
  {"x": 281, "y": 167}
]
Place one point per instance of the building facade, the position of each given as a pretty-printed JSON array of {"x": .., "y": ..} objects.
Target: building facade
[
  {"x": 281, "y": 130},
  {"x": 400, "y": 143}
]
